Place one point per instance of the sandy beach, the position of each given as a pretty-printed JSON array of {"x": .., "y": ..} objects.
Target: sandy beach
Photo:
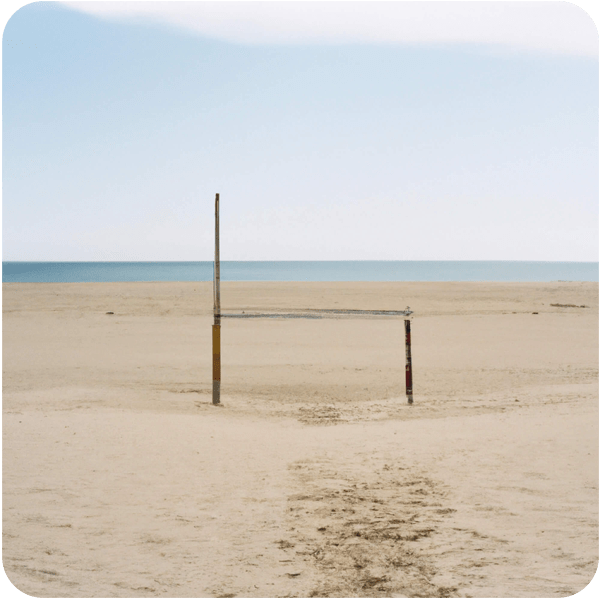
[{"x": 314, "y": 478}]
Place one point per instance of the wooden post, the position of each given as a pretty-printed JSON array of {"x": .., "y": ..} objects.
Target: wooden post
[
  {"x": 409, "y": 385},
  {"x": 216, "y": 329}
]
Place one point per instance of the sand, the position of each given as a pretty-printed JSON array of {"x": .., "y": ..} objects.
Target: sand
[{"x": 314, "y": 478}]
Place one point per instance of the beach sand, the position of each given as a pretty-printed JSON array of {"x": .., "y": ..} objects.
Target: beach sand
[{"x": 314, "y": 478}]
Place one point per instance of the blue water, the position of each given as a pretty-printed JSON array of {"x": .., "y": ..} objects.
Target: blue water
[{"x": 394, "y": 270}]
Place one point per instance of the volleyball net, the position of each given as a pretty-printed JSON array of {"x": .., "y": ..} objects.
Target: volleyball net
[{"x": 306, "y": 313}]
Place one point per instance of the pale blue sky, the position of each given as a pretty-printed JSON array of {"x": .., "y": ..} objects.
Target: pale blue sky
[{"x": 118, "y": 130}]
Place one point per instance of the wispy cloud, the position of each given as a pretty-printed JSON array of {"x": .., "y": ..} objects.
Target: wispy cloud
[{"x": 556, "y": 27}]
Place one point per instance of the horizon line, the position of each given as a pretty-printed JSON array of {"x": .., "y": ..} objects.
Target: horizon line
[{"x": 308, "y": 260}]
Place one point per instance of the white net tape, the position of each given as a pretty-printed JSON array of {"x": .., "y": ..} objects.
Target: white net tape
[{"x": 315, "y": 313}]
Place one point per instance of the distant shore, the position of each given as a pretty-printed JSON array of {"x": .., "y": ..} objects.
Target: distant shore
[{"x": 315, "y": 477}]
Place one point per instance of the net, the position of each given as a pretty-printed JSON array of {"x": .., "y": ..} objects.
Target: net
[{"x": 316, "y": 313}]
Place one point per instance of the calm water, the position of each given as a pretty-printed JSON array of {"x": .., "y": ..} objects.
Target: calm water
[{"x": 301, "y": 271}]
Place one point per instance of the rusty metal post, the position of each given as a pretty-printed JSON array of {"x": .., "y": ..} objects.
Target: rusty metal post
[
  {"x": 216, "y": 345},
  {"x": 409, "y": 384},
  {"x": 216, "y": 329}
]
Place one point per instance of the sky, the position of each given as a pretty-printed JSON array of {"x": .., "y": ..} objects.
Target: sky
[{"x": 331, "y": 131}]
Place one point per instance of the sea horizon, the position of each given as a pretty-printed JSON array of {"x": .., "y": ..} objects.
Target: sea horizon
[
  {"x": 298, "y": 270},
  {"x": 298, "y": 260}
]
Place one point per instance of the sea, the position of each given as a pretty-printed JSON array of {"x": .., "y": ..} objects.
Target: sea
[{"x": 385, "y": 270}]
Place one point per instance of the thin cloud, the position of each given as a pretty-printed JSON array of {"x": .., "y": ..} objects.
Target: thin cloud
[{"x": 549, "y": 27}]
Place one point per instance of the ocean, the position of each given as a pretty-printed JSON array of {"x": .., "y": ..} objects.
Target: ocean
[{"x": 393, "y": 270}]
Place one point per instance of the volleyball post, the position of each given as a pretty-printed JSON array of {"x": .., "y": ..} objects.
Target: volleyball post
[
  {"x": 409, "y": 384},
  {"x": 216, "y": 328}
]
